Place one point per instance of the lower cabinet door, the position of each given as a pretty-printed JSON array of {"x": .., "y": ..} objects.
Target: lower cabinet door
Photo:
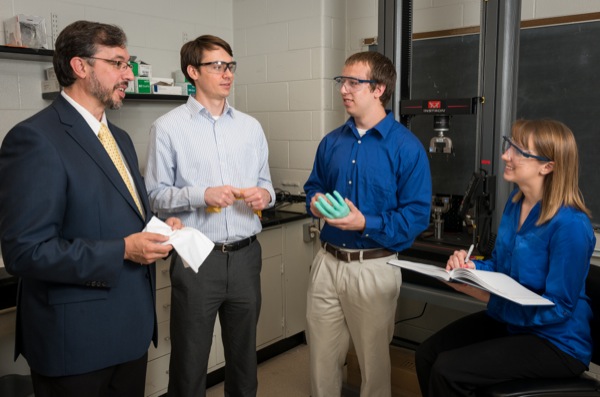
[
  {"x": 157, "y": 375},
  {"x": 164, "y": 342}
]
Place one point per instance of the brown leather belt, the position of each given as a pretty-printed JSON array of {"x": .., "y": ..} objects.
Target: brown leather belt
[
  {"x": 351, "y": 256},
  {"x": 236, "y": 245}
]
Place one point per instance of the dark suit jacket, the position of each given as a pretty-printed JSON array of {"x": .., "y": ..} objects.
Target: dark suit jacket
[{"x": 64, "y": 211}]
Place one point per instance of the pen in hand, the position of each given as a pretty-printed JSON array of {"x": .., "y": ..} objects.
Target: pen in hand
[{"x": 471, "y": 248}]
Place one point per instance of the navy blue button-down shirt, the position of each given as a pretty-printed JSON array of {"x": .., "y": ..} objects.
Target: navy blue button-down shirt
[{"x": 385, "y": 173}]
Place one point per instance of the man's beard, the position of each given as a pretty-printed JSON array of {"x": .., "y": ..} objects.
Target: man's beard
[{"x": 104, "y": 95}]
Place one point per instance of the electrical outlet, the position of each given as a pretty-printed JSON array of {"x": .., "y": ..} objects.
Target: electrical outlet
[
  {"x": 307, "y": 234},
  {"x": 184, "y": 37}
]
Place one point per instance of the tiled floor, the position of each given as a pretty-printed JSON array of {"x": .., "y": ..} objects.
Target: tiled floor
[{"x": 284, "y": 375}]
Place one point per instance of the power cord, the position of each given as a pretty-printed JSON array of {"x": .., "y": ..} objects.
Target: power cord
[{"x": 413, "y": 318}]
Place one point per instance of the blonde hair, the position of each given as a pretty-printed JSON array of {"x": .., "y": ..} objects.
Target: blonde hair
[{"x": 554, "y": 140}]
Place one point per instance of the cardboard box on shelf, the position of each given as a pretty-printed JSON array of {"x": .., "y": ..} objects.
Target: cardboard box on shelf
[
  {"x": 404, "y": 376},
  {"x": 130, "y": 87},
  {"x": 141, "y": 69},
  {"x": 179, "y": 77},
  {"x": 142, "y": 85},
  {"x": 166, "y": 89},
  {"x": 50, "y": 86},
  {"x": 162, "y": 81},
  {"x": 25, "y": 31},
  {"x": 187, "y": 88},
  {"x": 50, "y": 74}
]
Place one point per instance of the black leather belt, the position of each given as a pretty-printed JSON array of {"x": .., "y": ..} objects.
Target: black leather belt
[
  {"x": 351, "y": 256},
  {"x": 236, "y": 245}
]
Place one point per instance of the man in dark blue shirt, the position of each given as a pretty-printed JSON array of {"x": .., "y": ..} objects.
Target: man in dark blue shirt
[{"x": 382, "y": 171}]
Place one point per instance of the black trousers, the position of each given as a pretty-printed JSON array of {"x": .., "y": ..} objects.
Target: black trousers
[
  {"x": 477, "y": 350},
  {"x": 227, "y": 284},
  {"x": 122, "y": 380}
]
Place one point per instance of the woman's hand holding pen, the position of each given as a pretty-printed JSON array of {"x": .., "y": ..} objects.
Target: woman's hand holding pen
[{"x": 461, "y": 259}]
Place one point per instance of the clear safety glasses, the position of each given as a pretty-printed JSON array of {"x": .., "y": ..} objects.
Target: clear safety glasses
[
  {"x": 219, "y": 67},
  {"x": 515, "y": 152},
  {"x": 352, "y": 84}
]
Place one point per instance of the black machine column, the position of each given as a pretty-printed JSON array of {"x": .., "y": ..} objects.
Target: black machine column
[
  {"x": 500, "y": 26},
  {"x": 394, "y": 40},
  {"x": 494, "y": 106}
]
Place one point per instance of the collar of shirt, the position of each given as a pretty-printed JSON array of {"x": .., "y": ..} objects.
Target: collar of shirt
[
  {"x": 383, "y": 127},
  {"x": 196, "y": 107},
  {"x": 87, "y": 116}
]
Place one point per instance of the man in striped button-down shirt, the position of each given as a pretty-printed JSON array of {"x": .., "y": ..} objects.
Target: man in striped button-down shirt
[{"x": 207, "y": 164}]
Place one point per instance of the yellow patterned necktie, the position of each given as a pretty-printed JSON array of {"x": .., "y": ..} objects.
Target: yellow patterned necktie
[{"x": 108, "y": 141}]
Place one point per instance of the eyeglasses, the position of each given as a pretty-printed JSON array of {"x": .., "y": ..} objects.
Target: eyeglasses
[
  {"x": 352, "y": 84},
  {"x": 218, "y": 67},
  {"x": 121, "y": 65},
  {"x": 508, "y": 144}
]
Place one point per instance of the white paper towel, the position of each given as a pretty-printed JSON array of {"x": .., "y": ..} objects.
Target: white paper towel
[{"x": 191, "y": 245}]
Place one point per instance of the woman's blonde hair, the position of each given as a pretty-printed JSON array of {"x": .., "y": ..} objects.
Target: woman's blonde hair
[{"x": 554, "y": 140}]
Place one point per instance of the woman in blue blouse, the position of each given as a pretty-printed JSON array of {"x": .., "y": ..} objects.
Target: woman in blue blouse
[{"x": 545, "y": 242}]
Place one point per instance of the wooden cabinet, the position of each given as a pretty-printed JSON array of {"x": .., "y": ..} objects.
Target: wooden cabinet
[
  {"x": 286, "y": 265},
  {"x": 297, "y": 259},
  {"x": 270, "y": 323},
  {"x": 157, "y": 373},
  {"x": 157, "y": 376}
]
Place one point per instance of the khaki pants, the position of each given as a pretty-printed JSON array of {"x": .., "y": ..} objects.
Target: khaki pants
[{"x": 351, "y": 300}]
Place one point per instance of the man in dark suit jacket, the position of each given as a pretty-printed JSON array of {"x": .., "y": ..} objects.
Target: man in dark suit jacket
[{"x": 71, "y": 229}]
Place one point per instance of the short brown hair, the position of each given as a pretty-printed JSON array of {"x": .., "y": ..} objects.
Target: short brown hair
[
  {"x": 81, "y": 39},
  {"x": 382, "y": 68},
  {"x": 192, "y": 52}
]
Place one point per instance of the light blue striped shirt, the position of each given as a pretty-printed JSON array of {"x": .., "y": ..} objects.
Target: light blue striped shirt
[{"x": 190, "y": 151}]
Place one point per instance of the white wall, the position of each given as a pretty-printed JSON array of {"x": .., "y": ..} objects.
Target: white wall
[
  {"x": 156, "y": 29},
  {"x": 287, "y": 50}
]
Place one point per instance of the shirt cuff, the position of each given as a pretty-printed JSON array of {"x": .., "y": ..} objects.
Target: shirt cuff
[
  {"x": 372, "y": 225},
  {"x": 196, "y": 195}
]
